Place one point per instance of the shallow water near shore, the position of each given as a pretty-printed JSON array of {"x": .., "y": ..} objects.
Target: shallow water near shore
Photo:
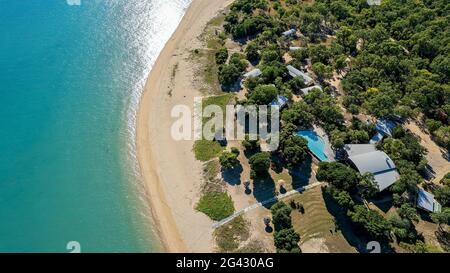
[{"x": 70, "y": 84}]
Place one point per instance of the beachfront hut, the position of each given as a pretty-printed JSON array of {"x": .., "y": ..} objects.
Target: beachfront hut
[
  {"x": 426, "y": 201},
  {"x": 294, "y": 72},
  {"x": 280, "y": 101},
  {"x": 384, "y": 128},
  {"x": 305, "y": 91},
  {"x": 289, "y": 33},
  {"x": 253, "y": 74},
  {"x": 366, "y": 159}
]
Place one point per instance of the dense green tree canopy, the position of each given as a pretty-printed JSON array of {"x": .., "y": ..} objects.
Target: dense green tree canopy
[
  {"x": 281, "y": 214},
  {"x": 371, "y": 221},
  {"x": 286, "y": 241},
  {"x": 263, "y": 94},
  {"x": 260, "y": 163},
  {"x": 337, "y": 174}
]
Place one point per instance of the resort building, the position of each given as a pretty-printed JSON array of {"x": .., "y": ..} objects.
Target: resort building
[
  {"x": 426, "y": 201},
  {"x": 367, "y": 159},
  {"x": 305, "y": 91},
  {"x": 294, "y": 72},
  {"x": 290, "y": 32},
  {"x": 253, "y": 74},
  {"x": 384, "y": 128},
  {"x": 280, "y": 101}
]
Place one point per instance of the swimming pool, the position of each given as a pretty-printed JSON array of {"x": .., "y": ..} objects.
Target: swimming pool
[{"x": 315, "y": 143}]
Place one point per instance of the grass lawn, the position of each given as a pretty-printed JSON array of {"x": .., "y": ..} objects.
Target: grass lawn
[
  {"x": 284, "y": 175},
  {"x": 220, "y": 100},
  {"x": 317, "y": 222},
  {"x": 217, "y": 205},
  {"x": 206, "y": 150}
]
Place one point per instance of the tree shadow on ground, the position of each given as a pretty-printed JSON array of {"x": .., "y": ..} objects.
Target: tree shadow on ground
[
  {"x": 425, "y": 216},
  {"x": 269, "y": 229},
  {"x": 235, "y": 87},
  {"x": 443, "y": 237},
  {"x": 354, "y": 235},
  {"x": 264, "y": 188},
  {"x": 302, "y": 175},
  {"x": 233, "y": 176},
  {"x": 428, "y": 172},
  {"x": 383, "y": 201},
  {"x": 276, "y": 163}
]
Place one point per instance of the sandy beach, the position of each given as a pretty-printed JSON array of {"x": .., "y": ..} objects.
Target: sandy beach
[{"x": 171, "y": 174}]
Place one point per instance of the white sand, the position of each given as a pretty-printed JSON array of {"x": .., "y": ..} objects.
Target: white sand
[{"x": 171, "y": 173}]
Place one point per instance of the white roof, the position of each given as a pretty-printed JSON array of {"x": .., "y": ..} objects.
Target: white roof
[
  {"x": 254, "y": 73},
  {"x": 308, "y": 89},
  {"x": 294, "y": 48},
  {"x": 379, "y": 164},
  {"x": 294, "y": 72},
  {"x": 426, "y": 201}
]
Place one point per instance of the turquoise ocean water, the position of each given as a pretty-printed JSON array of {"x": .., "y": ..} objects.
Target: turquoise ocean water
[{"x": 70, "y": 81}]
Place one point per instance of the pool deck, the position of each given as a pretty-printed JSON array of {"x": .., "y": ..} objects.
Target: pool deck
[{"x": 328, "y": 150}]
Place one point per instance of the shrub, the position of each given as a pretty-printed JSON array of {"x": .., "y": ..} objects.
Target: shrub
[
  {"x": 221, "y": 56},
  {"x": 286, "y": 241},
  {"x": 281, "y": 216},
  {"x": 217, "y": 205}
]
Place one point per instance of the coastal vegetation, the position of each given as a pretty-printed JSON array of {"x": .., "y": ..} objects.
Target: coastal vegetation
[
  {"x": 206, "y": 149},
  {"x": 286, "y": 239},
  {"x": 230, "y": 235},
  {"x": 217, "y": 205}
]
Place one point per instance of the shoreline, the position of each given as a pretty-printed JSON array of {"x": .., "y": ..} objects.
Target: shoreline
[{"x": 168, "y": 169}]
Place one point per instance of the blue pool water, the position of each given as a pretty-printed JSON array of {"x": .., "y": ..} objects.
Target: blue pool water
[
  {"x": 71, "y": 77},
  {"x": 315, "y": 143}
]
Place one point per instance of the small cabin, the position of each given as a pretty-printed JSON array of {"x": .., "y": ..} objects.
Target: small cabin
[
  {"x": 289, "y": 33},
  {"x": 305, "y": 91},
  {"x": 294, "y": 72},
  {"x": 426, "y": 201},
  {"x": 253, "y": 74},
  {"x": 280, "y": 101}
]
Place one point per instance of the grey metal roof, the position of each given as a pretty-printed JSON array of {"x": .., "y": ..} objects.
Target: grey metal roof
[
  {"x": 289, "y": 32},
  {"x": 379, "y": 164},
  {"x": 385, "y": 179},
  {"x": 426, "y": 201},
  {"x": 357, "y": 149},
  {"x": 308, "y": 89},
  {"x": 254, "y": 73},
  {"x": 294, "y": 72}
]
